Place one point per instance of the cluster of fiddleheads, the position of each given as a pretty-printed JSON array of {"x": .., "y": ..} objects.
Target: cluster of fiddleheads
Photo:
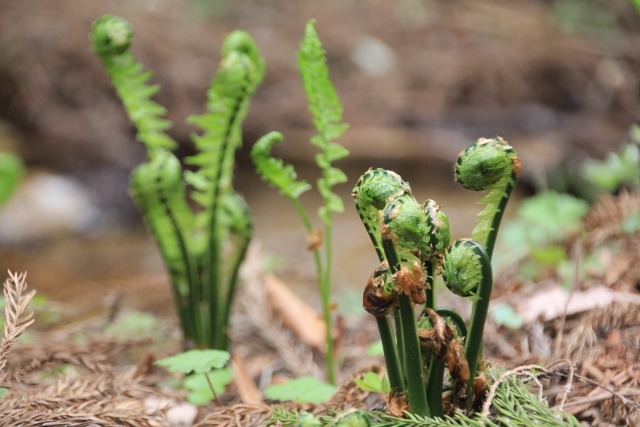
[
  {"x": 202, "y": 249},
  {"x": 412, "y": 241}
]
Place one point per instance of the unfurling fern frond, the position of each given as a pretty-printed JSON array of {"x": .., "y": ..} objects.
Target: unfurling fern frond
[
  {"x": 489, "y": 165},
  {"x": 202, "y": 251},
  {"x": 112, "y": 38},
  {"x": 326, "y": 110},
  {"x": 275, "y": 171},
  {"x": 239, "y": 73},
  {"x": 158, "y": 190}
]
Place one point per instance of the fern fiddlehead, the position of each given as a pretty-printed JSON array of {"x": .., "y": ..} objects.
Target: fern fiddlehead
[
  {"x": 112, "y": 37},
  {"x": 371, "y": 194},
  {"x": 239, "y": 73},
  {"x": 203, "y": 273},
  {"x": 466, "y": 270},
  {"x": 493, "y": 165}
]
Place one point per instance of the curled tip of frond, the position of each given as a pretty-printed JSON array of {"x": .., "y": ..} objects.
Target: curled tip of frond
[
  {"x": 111, "y": 35},
  {"x": 485, "y": 163},
  {"x": 377, "y": 186},
  {"x": 462, "y": 268},
  {"x": 241, "y": 41},
  {"x": 407, "y": 223}
]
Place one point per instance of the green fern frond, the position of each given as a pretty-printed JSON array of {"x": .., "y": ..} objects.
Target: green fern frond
[
  {"x": 277, "y": 173},
  {"x": 159, "y": 193},
  {"x": 490, "y": 204},
  {"x": 326, "y": 111},
  {"x": 228, "y": 99},
  {"x": 111, "y": 38}
]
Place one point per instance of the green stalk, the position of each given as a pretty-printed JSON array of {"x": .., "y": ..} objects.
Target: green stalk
[
  {"x": 416, "y": 392},
  {"x": 325, "y": 294},
  {"x": 391, "y": 357},
  {"x": 434, "y": 385},
  {"x": 430, "y": 267},
  {"x": 413, "y": 359},
  {"x": 497, "y": 217},
  {"x": 437, "y": 365},
  {"x": 324, "y": 283},
  {"x": 473, "y": 342}
]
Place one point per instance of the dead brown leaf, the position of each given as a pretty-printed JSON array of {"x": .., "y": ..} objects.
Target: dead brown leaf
[{"x": 296, "y": 314}]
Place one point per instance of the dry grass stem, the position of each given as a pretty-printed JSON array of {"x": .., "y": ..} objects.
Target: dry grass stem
[{"x": 17, "y": 318}]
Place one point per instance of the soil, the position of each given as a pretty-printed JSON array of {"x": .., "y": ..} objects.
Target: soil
[{"x": 559, "y": 81}]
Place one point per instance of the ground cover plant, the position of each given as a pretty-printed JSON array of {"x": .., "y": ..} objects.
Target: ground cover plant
[{"x": 202, "y": 250}]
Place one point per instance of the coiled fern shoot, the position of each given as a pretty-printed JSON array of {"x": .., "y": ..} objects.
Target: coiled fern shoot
[{"x": 202, "y": 248}]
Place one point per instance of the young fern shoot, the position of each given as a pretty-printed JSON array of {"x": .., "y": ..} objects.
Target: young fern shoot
[
  {"x": 326, "y": 112},
  {"x": 412, "y": 242},
  {"x": 491, "y": 165},
  {"x": 195, "y": 246}
]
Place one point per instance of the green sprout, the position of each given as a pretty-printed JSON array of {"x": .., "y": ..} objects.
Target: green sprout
[
  {"x": 209, "y": 375},
  {"x": 412, "y": 241},
  {"x": 304, "y": 389},
  {"x": 326, "y": 112},
  {"x": 203, "y": 248}
]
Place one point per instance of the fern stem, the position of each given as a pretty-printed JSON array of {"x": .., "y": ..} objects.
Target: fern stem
[
  {"x": 497, "y": 217},
  {"x": 324, "y": 283},
  {"x": 473, "y": 341},
  {"x": 434, "y": 385},
  {"x": 412, "y": 355},
  {"x": 325, "y": 293},
  {"x": 391, "y": 357},
  {"x": 430, "y": 291}
]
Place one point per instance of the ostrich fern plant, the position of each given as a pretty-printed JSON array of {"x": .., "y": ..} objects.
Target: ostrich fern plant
[{"x": 202, "y": 248}]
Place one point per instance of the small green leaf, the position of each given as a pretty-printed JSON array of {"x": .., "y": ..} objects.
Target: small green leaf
[
  {"x": 370, "y": 381},
  {"x": 505, "y": 315},
  {"x": 3, "y": 391},
  {"x": 549, "y": 255},
  {"x": 198, "y": 387},
  {"x": 375, "y": 349},
  {"x": 304, "y": 389},
  {"x": 197, "y": 361},
  {"x": 550, "y": 217}
]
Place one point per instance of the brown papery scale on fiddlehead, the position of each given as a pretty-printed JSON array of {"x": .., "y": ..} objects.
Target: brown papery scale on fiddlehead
[
  {"x": 378, "y": 298},
  {"x": 458, "y": 368},
  {"x": 409, "y": 280},
  {"x": 434, "y": 332},
  {"x": 439, "y": 235}
]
